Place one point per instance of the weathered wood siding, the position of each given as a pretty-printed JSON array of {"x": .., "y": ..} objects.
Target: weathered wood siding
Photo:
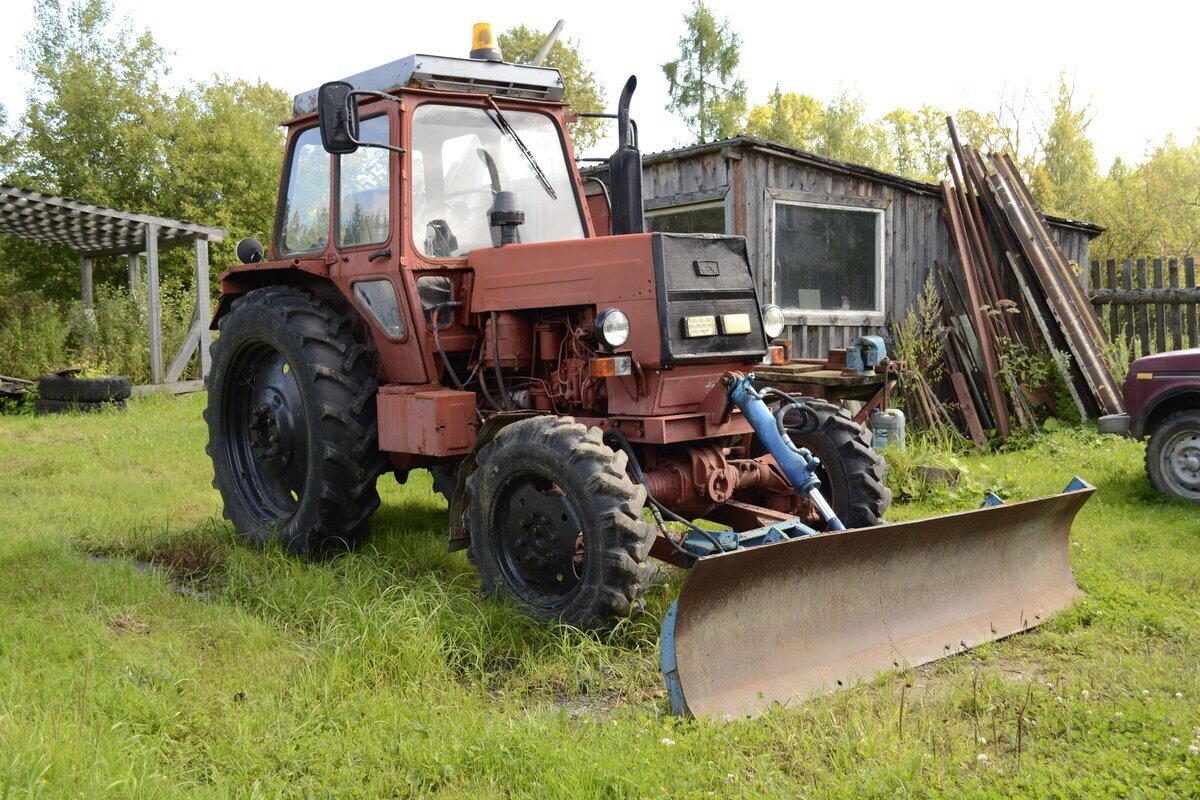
[{"x": 916, "y": 237}]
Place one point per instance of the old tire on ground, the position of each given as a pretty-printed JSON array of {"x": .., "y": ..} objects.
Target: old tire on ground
[
  {"x": 292, "y": 423},
  {"x": 48, "y": 406},
  {"x": 556, "y": 525},
  {"x": 851, "y": 472},
  {"x": 1173, "y": 456},
  {"x": 84, "y": 390}
]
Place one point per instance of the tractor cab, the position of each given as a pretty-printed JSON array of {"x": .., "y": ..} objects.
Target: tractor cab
[{"x": 465, "y": 131}]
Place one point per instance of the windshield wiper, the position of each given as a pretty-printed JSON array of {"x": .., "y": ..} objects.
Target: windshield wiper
[{"x": 502, "y": 123}]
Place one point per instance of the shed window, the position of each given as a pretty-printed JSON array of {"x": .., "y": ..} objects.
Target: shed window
[
  {"x": 827, "y": 258},
  {"x": 706, "y": 218}
]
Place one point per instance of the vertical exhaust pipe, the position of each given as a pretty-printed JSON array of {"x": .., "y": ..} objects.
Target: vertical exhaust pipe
[{"x": 625, "y": 170}]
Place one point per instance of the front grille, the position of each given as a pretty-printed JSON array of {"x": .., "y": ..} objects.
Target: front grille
[{"x": 705, "y": 275}]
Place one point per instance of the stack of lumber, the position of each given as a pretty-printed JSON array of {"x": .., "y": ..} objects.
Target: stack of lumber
[{"x": 1011, "y": 288}]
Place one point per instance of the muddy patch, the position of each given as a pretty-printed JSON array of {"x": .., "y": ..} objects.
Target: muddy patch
[{"x": 193, "y": 562}]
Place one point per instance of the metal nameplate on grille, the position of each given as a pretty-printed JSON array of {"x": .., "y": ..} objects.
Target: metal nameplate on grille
[
  {"x": 707, "y": 269},
  {"x": 735, "y": 324},
  {"x": 695, "y": 327}
]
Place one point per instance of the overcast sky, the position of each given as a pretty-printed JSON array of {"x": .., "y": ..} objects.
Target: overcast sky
[{"x": 1139, "y": 78}]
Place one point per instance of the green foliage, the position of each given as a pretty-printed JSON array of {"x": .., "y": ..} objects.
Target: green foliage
[
  {"x": 703, "y": 82},
  {"x": 1153, "y": 208},
  {"x": 96, "y": 117},
  {"x": 1065, "y": 180},
  {"x": 582, "y": 92},
  {"x": 225, "y": 151},
  {"x": 38, "y": 335},
  {"x": 100, "y": 127},
  {"x": 917, "y": 339}
]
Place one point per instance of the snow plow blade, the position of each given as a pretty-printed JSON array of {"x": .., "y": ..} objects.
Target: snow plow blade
[{"x": 784, "y": 622}]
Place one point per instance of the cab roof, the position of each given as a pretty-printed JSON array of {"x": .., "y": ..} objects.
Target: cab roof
[{"x": 447, "y": 74}]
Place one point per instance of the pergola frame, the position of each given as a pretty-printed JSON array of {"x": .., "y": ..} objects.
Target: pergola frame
[{"x": 94, "y": 231}]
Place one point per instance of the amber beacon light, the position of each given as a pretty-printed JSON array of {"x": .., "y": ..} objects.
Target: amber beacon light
[{"x": 483, "y": 43}]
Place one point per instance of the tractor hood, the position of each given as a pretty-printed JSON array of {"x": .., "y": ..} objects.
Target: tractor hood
[{"x": 691, "y": 298}]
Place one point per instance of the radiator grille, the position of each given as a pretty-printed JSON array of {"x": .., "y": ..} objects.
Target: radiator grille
[{"x": 705, "y": 274}]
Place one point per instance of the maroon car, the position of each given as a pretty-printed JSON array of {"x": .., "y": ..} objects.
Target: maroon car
[{"x": 1162, "y": 396}]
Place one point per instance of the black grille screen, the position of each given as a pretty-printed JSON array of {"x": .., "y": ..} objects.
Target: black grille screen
[{"x": 706, "y": 275}]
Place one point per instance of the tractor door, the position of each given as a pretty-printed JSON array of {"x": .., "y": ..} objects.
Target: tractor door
[{"x": 367, "y": 241}]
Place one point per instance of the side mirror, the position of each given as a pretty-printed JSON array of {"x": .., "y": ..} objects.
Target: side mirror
[{"x": 337, "y": 111}]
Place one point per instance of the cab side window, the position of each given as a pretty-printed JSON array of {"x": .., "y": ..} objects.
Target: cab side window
[
  {"x": 364, "y": 179},
  {"x": 304, "y": 227}
]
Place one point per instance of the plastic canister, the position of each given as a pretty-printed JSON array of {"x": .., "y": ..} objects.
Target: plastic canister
[{"x": 888, "y": 428}]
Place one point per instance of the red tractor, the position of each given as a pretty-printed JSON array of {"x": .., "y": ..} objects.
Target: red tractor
[{"x": 440, "y": 295}]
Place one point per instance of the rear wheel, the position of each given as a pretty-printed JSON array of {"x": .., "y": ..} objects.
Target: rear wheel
[
  {"x": 851, "y": 472},
  {"x": 556, "y": 524},
  {"x": 1173, "y": 456},
  {"x": 291, "y": 421}
]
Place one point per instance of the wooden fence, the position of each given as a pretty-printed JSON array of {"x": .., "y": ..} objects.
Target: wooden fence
[{"x": 1146, "y": 305}]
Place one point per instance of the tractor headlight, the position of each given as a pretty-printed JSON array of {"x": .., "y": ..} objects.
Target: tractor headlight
[
  {"x": 612, "y": 328},
  {"x": 773, "y": 322}
]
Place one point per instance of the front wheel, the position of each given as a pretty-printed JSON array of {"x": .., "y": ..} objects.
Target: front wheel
[
  {"x": 851, "y": 471},
  {"x": 556, "y": 524},
  {"x": 1173, "y": 456},
  {"x": 291, "y": 423}
]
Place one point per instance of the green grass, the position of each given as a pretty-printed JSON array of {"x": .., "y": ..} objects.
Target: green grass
[{"x": 145, "y": 653}]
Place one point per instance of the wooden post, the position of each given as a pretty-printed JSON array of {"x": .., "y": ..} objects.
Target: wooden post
[
  {"x": 135, "y": 273},
  {"x": 203, "y": 303},
  {"x": 1173, "y": 315},
  {"x": 85, "y": 279},
  {"x": 1189, "y": 273},
  {"x": 156, "y": 356},
  {"x": 1143, "y": 312}
]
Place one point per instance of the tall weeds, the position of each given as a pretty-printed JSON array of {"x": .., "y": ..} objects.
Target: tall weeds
[{"x": 38, "y": 335}]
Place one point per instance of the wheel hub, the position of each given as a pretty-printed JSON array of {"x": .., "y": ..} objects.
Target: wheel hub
[
  {"x": 541, "y": 539},
  {"x": 1183, "y": 457},
  {"x": 270, "y": 430}
]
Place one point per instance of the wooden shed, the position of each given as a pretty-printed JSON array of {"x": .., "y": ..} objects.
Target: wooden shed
[{"x": 844, "y": 249}]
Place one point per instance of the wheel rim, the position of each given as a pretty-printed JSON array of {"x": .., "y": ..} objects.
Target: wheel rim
[
  {"x": 1180, "y": 461},
  {"x": 539, "y": 545},
  {"x": 265, "y": 432}
]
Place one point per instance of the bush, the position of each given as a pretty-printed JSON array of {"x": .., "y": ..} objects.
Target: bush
[{"x": 39, "y": 335}]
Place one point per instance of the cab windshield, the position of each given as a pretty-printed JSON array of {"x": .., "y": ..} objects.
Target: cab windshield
[{"x": 462, "y": 156}]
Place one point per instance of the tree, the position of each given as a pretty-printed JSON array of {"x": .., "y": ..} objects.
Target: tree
[
  {"x": 225, "y": 153},
  {"x": 1066, "y": 179},
  {"x": 96, "y": 116},
  {"x": 917, "y": 142},
  {"x": 789, "y": 119},
  {"x": 703, "y": 82},
  {"x": 581, "y": 90},
  {"x": 93, "y": 128}
]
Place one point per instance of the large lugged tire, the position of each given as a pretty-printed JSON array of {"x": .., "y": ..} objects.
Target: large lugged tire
[
  {"x": 292, "y": 423},
  {"x": 556, "y": 524},
  {"x": 84, "y": 390},
  {"x": 1173, "y": 456},
  {"x": 851, "y": 471}
]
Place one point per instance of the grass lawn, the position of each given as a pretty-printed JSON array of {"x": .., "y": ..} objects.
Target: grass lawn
[{"x": 144, "y": 653}]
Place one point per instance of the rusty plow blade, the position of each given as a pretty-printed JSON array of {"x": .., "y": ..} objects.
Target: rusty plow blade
[{"x": 783, "y": 622}]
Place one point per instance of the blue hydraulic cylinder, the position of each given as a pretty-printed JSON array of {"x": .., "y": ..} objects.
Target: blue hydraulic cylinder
[{"x": 798, "y": 464}]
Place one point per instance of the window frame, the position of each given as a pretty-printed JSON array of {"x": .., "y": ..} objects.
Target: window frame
[
  {"x": 882, "y": 210},
  {"x": 281, "y": 205},
  {"x": 683, "y": 208},
  {"x": 336, "y": 191}
]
